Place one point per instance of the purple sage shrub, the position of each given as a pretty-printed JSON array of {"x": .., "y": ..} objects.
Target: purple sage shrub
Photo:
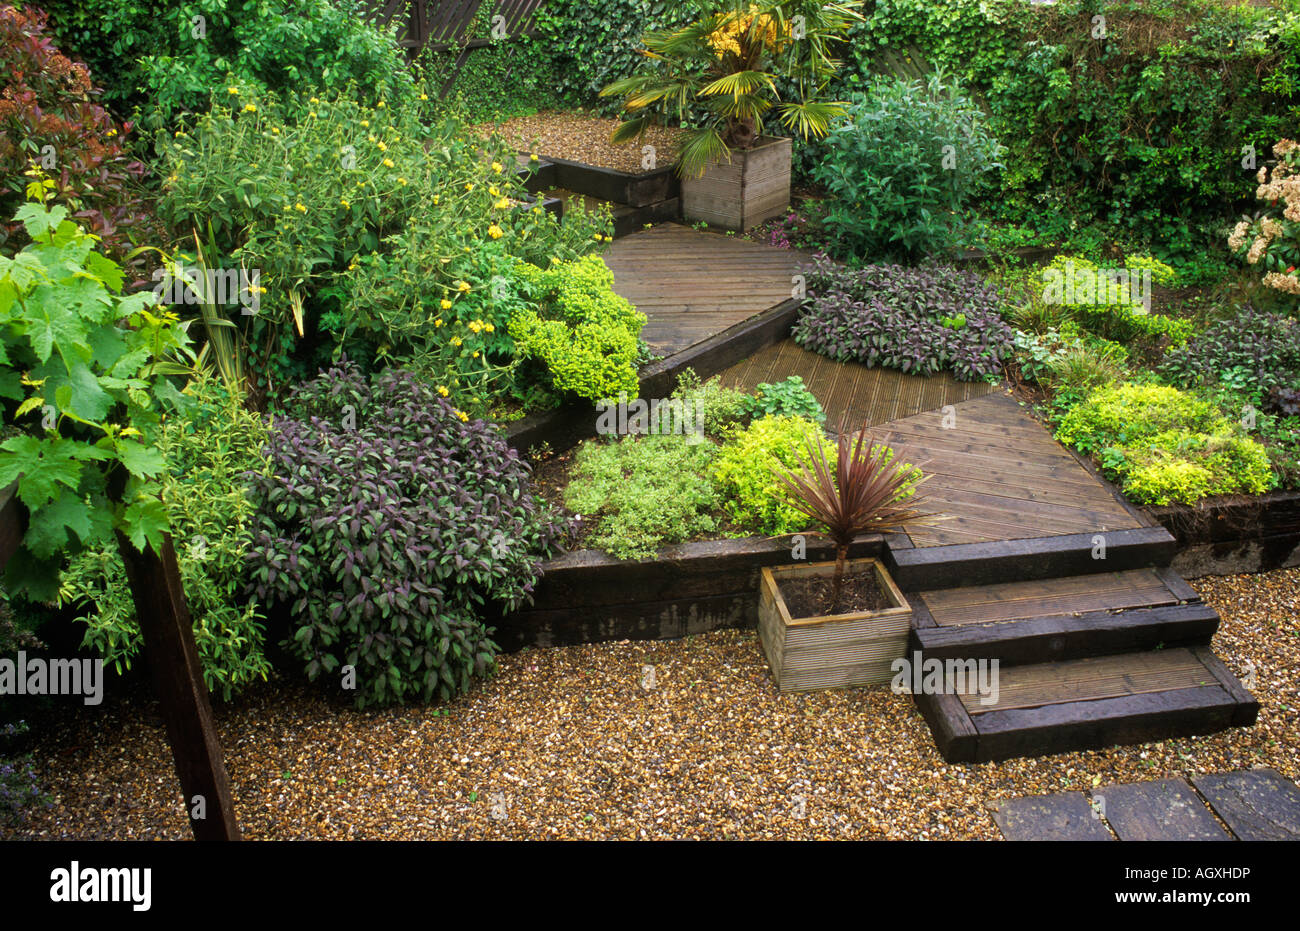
[
  {"x": 387, "y": 524},
  {"x": 19, "y": 785},
  {"x": 917, "y": 320}
]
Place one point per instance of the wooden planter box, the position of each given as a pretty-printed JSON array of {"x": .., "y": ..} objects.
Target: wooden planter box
[
  {"x": 836, "y": 651},
  {"x": 754, "y": 186}
]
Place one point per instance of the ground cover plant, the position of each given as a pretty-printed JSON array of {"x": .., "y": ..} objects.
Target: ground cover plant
[
  {"x": 917, "y": 320},
  {"x": 1166, "y": 446},
  {"x": 388, "y": 523}
]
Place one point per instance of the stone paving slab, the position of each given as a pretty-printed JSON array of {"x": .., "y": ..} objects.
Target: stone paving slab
[
  {"x": 1166, "y": 809},
  {"x": 1257, "y": 804},
  {"x": 1066, "y": 816}
]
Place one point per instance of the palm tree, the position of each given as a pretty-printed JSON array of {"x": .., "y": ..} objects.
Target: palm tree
[{"x": 721, "y": 73}]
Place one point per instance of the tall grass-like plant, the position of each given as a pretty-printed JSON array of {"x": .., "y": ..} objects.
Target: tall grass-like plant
[{"x": 866, "y": 490}]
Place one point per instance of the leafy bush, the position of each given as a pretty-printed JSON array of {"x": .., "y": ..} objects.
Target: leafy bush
[
  {"x": 1164, "y": 445},
  {"x": 917, "y": 320},
  {"x": 1069, "y": 357},
  {"x": 722, "y": 407},
  {"x": 1252, "y": 351},
  {"x": 753, "y": 494},
  {"x": 151, "y": 53},
  {"x": 343, "y": 188},
  {"x": 388, "y": 521},
  {"x": 1110, "y": 301},
  {"x": 902, "y": 167},
  {"x": 1274, "y": 233},
  {"x": 785, "y": 397},
  {"x": 212, "y": 446},
  {"x": 50, "y": 114},
  {"x": 644, "y": 492},
  {"x": 85, "y": 365},
  {"x": 586, "y": 335}
]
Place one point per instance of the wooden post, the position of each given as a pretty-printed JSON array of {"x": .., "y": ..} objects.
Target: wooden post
[{"x": 178, "y": 682}]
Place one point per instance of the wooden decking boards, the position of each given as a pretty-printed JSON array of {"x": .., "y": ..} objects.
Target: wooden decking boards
[
  {"x": 997, "y": 474},
  {"x": 693, "y": 285}
]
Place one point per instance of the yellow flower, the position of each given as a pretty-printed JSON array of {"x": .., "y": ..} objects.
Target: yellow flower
[
  {"x": 111, "y": 133},
  {"x": 493, "y": 191},
  {"x": 250, "y": 108},
  {"x": 381, "y": 147},
  {"x": 496, "y": 167},
  {"x": 442, "y": 390},
  {"x": 345, "y": 202},
  {"x": 532, "y": 157},
  {"x": 502, "y": 203},
  {"x": 462, "y": 286},
  {"x": 489, "y": 327},
  {"x": 445, "y": 304},
  {"x": 469, "y": 186},
  {"x": 300, "y": 208},
  {"x": 555, "y": 260},
  {"x": 372, "y": 138},
  {"x": 380, "y": 105},
  {"x": 438, "y": 322},
  {"x": 232, "y": 90},
  {"x": 596, "y": 236},
  {"x": 464, "y": 417},
  {"x": 388, "y": 163},
  {"x": 311, "y": 113},
  {"x": 365, "y": 124},
  {"x": 495, "y": 231},
  {"x": 275, "y": 130},
  {"x": 402, "y": 182},
  {"x": 435, "y": 200},
  {"x": 261, "y": 290},
  {"x": 538, "y": 211},
  {"x": 475, "y": 326},
  {"x": 455, "y": 340},
  {"x": 475, "y": 355},
  {"x": 424, "y": 96}
]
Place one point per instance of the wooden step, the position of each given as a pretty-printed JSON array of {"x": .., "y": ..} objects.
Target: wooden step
[
  {"x": 1066, "y": 618},
  {"x": 973, "y": 564},
  {"x": 1084, "y": 704}
]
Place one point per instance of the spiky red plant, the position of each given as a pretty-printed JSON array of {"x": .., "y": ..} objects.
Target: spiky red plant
[{"x": 865, "y": 491}]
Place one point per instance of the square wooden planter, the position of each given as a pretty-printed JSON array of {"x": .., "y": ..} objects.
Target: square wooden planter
[
  {"x": 754, "y": 186},
  {"x": 835, "y": 651}
]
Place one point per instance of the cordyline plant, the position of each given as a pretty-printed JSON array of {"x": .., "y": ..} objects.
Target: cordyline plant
[
  {"x": 718, "y": 77},
  {"x": 865, "y": 491}
]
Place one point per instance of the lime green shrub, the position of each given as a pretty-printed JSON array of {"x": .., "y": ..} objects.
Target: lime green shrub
[
  {"x": 743, "y": 471},
  {"x": 584, "y": 333},
  {"x": 721, "y": 407},
  {"x": 644, "y": 492},
  {"x": 1165, "y": 446},
  {"x": 1106, "y": 301}
]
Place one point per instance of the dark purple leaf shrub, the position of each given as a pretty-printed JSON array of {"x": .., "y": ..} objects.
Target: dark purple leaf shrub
[
  {"x": 386, "y": 524},
  {"x": 917, "y": 320}
]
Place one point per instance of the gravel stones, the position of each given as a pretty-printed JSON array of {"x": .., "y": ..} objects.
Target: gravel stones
[
  {"x": 646, "y": 739},
  {"x": 584, "y": 137}
]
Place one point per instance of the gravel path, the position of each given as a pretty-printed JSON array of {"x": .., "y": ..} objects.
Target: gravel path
[
  {"x": 571, "y": 743},
  {"x": 582, "y": 137}
]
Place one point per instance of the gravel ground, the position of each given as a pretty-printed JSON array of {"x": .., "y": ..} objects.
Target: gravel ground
[
  {"x": 577, "y": 743},
  {"x": 583, "y": 137}
]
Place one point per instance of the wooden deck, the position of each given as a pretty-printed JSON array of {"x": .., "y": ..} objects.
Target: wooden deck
[
  {"x": 997, "y": 474},
  {"x": 850, "y": 392},
  {"x": 693, "y": 285}
]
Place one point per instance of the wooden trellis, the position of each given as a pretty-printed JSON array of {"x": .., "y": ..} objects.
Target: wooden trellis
[{"x": 445, "y": 24}]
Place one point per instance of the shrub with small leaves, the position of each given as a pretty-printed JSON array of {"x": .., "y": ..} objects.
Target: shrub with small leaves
[
  {"x": 917, "y": 320},
  {"x": 1164, "y": 445},
  {"x": 754, "y": 496},
  {"x": 388, "y": 523},
  {"x": 722, "y": 407},
  {"x": 19, "y": 786},
  {"x": 644, "y": 492}
]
